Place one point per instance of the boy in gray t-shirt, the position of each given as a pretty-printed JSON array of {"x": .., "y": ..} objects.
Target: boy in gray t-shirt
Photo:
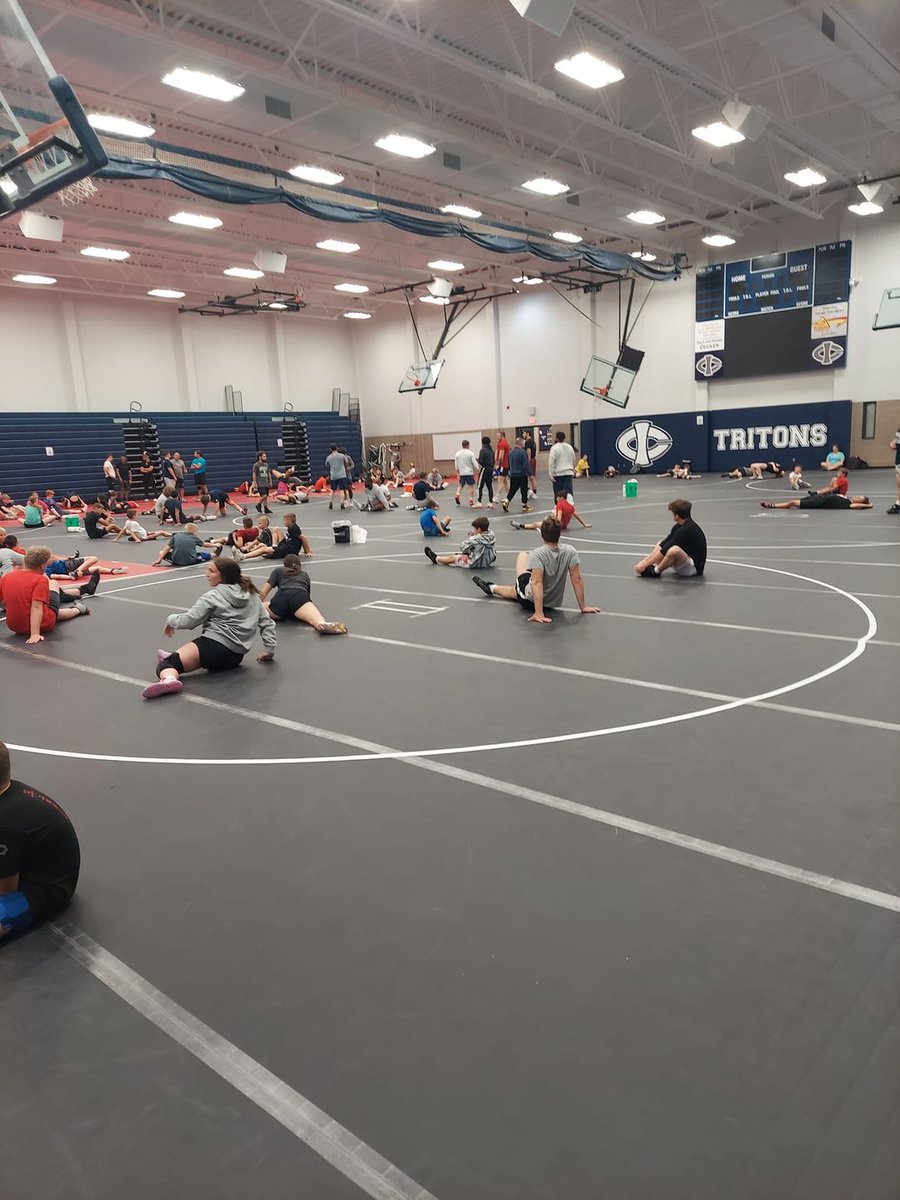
[{"x": 541, "y": 576}]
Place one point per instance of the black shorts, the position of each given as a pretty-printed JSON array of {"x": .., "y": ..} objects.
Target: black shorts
[
  {"x": 200, "y": 479},
  {"x": 96, "y": 535},
  {"x": 522, "y": 582},
  {"x": 285, "y": 603},
  {"x": 286, "y": 547},
  {"x": 503, "y": 472},
  {"x": 562, "y": 485},
  {"x": 54, "y": 602},
  {"x": 215, "y": 656}
]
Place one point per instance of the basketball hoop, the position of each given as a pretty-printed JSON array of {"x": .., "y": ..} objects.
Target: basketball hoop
[{"x": 77, "y": 193}]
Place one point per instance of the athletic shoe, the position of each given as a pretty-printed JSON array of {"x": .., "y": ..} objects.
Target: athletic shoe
[
  {"x": 82, "y": 607},
  {"x": 330, "y": 505},
  {"x": 649, "y": 573},
  {"x": 332, "y": 627},
  {"x": 259, "y": 508},
  {"x": 430, "y": 554},
  {"x": 526, "y": 508},
  {"x": 88, "y": 589},
  {"x": 893, "y": 510},
  {"x": 243, "y": 510},
  {"x": 517, "y": 524},
  {"x": 456, "y": 498},
  {"x": 473, "y": 505},
  {"x": 766, "y": 504},
  {"x": 162, "y": 655},
  {"x": 504, "y": 505},
  {"x": 482, "y": 584},
  {"x": 122, "y": 570},
  {"x": 165, "y": 687}
]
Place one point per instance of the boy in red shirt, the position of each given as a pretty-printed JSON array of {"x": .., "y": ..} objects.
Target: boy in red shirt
[
  {"x": 840, "y": 484},
  {"x": 33, "y": 602},
  {"x": 563, "y": 512}
]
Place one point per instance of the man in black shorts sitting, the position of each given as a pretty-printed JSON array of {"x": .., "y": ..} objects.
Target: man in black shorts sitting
[
  {"x": 39, "y": 855},
  {"x": 683, "y": 551},
  {"x": 821, "y": 500}
]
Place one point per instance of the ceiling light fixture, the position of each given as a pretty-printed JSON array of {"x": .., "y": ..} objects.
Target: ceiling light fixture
[
  {"x": 276, "y": 304},
  {"x": 434, "y": 299},
  {"x": 643, "y": 255},
  {"x": 244, "y": 272},
  {"x": 806, "y": 178},
  {"x": 718, "y": 239},
  {"x": 202, "y": 83},
  {"x": 446, "y": 264},
  {"x": 33, "y": 279},
  {"x": 593, "y": 72},
  {"x": 357, "y": 289},
  {"x": 120, "y": 126},
  {"x": 357, "y": 316},
  {"x": 546, "y": 187},
  {"x": 572, "y": 238},
  {"x": 866, "y": 208},
  {"x": 105, "y": 252},
  {"x": 408, "y": 147},
  {"x": 528, "y": 280},
  {"x": 646, "y": 216},
  {"x": 8, "y": 186},
  {"x": 338, "y": 247},
  {"x": 166, "y": 293},
  {"x": 195, "y": 220},
  {"x": 316, "y": 175},
  {"x": 462, "y": 210},
  {"x": 718, "y": 134}
]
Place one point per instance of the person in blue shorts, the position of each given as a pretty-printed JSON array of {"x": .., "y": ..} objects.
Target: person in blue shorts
[{"x": 431, "y": 523}]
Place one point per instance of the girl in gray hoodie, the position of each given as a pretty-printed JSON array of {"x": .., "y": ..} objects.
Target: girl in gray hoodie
[{"x": 229, "y": 616}]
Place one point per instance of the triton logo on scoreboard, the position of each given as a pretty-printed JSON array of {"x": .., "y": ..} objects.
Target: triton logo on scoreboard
[
  {"x": 708, "y": 365},
  {"x": 828, "y": 353}
]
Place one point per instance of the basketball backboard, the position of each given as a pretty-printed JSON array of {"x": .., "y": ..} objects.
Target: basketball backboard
[
  {"x": 46, "y": 142},
  {"x": 421, "y": 376},
  {"x": 605, "y": 380}
]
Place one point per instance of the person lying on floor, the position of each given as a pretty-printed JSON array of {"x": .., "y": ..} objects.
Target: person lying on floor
[
  {"x": 755, "y": 471},
  {"x": 229, "y": 616},
  {"x": 33, "y": 602},
  {"x": 476, "y": 552},
  {"x": 821, "y": 500},
  {"x": 41, "y": 856},
  {"x": 286, "y": 594},
  {"x": 75, "y": 565}
]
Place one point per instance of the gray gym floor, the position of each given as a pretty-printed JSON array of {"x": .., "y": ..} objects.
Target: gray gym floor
[{"x": 658, "y": 960}]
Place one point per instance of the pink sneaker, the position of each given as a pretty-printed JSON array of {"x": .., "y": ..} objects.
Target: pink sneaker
[
  {"x": 162, "y": 655},
  {"x": 164, "y": 687}
]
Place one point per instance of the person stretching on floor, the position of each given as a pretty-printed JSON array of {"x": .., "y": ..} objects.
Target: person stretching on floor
[
  {"x": 37, "y": 514},
  {"x": 840, "y": 484},
  {"x": 755, "y": 471},
  {"x": 9, "y": 508},
  {"x": 291, "y": 601},
  {"x": 430, "y": 523},
  {"x": 229, "y": 616},
  {"x": 134, "y": 531},
  {"x": 833, "y": 460},
  {"x": 98, "y": 523},
  {"x": 221, "y": 499},
  {"x": 264, "y": 545},
  {"x": 795, "y": 478},
  {"x": 33, "y": 603},
  {"x": 477, "y": 551},
  {"x": 11, "y": 555},
  {"x": 541, "y": 576},
  {"x": 290, "y": 540},
  {"x": 683, "y": 551},
  {"x": 243, "y": 537},
  {"x": 41, "y": 857},
  {"x": 52, "y": 503},
  {"x": 821, "y": 500},
  {"x": 185, "y": 549},
  {"x": 563, "y": 512}
]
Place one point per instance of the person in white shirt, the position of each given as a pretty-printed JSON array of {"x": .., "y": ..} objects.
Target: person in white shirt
[
  {"x": 466, "y": 470},
  {"x": 109, "y": 473},
  {"x": 796, "y": 477},
  {"x": 135, "y": 531},
  {"x": 561, "y": 466}
]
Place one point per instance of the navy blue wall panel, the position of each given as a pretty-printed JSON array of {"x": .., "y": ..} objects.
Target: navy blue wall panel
[{"x": 654, "y": 443}]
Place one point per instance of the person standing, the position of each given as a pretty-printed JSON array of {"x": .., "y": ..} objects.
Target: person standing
[
  {"x": 349, "y": 464},
  {"x": 261, "y": 478},
  {"x": 198, "y": 467},
  {"x": 541, "y": 576},
  {"x": 684, "y": 550},
  {"x": 123, "y": 478},
  {"x": 518, "y": 476},
  {"x": 895, "y": 446},
  {"x": 561, "y": 466},
  {"x": 486, "y": 471},
  {"x": 531, "y": 451},
  {"x": 41, "y": 858},
  {"x": 178, "y": 466},
  {"x": 466, "y": 470},
  {"x": 170, "y": 479},
  {"x": 503, "y": 449},
  {"x": 147, "y": 473},
  {"x": 336, "y": 466},
  {"x": 110, "y": 479}
]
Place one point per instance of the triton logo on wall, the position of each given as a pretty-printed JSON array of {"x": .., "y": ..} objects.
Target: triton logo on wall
[
  {"x": 642, "y": 443},
  {"x": 772, "y": 437}
]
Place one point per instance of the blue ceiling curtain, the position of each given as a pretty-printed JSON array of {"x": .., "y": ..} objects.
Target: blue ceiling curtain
[{"x": 213, "y": 187}]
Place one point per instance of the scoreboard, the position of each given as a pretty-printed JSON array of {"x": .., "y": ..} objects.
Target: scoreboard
[{"x": 773, "y": 314}]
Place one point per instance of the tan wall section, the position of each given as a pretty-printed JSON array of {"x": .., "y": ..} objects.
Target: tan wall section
[
  {"x": 876, "y": 451},
  {"x": 417, "y": 449}
]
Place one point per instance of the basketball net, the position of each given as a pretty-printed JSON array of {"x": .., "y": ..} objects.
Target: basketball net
[{"x": 78, "y": 192}]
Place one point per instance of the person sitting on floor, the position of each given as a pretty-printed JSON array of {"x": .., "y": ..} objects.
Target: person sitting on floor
[
  {"x": 377, "y": 496},
  {"x": 821, "y": 500},
  {"x": 134, "y": 531},
  {"x": 610, "y": 472},
  {"x": 430, "y": 523},
  {"x": 435, "y": 480},
  {"x": 229, "y": 615},
  {"x": 291, "y": 600},
  {"x": 37, "y": 514},
  {"x": 541, "y": 574},
  {"x": 583, "y": 467},
  {"x": 563, "y": 511},
  {"x": 52, "y": 504},
  {"x": 33, "y": 603},
  {"x": 185, "y": 549},
  {"x": 683, "y": 551},
  {"x": 477, "y": 551},
  {"x": 238, "y": 539},
  {"x": 98, "y": 523},
  {"x": 174, "y": 505},
  {"x": 833, "y": 460},
  {"x": 840, "y": 484},
  {"x": 41, "y": 857},
  {"x": 795, "y": 478},
  {"x": 264, "y": 545},
  {"x": 9, "y": 508},
  {"x": 420, "y": 490},
  {"x": 11, "y": 554},
  {"x": 679, "y": 471}
]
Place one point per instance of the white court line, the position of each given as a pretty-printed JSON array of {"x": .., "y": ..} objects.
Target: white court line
[
  {"x": 617, "y": 821},
  {"x": 342, "y": 1149}
]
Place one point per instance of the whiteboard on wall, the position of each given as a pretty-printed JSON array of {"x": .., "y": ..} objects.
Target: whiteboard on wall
[{"x": 445, "y": 445}]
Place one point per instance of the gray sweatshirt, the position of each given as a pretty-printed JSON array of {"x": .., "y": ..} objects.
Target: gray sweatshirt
[
  {"x": 480, "y": 547},
  {"x": 229, "y": 615}
]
